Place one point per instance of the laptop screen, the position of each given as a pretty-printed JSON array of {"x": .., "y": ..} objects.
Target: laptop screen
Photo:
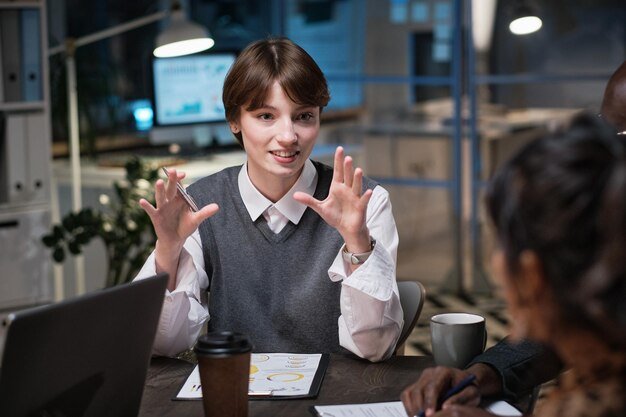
[{"x": 86, "y": 356}]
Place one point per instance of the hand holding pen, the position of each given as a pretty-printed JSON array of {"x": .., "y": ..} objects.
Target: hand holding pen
[
  {"x": 176, "y": 215},
  {"x": 465, "y": 382},
  {"x": 181, "y": 191},
  {"x": 432, "y": 390}
]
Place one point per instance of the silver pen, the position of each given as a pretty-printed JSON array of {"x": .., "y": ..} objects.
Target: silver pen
[{"x": 190, "y": 202}]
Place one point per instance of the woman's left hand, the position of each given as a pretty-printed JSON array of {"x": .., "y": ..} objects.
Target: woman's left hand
[{"x": 345, "y": 207}]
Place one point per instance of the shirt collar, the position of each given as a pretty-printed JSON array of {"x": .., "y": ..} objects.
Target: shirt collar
[{"x": 256, "y": 203}]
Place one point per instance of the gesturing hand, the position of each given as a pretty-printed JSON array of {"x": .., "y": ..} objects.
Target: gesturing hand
[
  {"x": 345, "y": 207},
  {"x": 172, "y": 220}
]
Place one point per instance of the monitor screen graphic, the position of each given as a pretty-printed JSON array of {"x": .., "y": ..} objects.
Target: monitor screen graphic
[{"x": 188, "y": 89}]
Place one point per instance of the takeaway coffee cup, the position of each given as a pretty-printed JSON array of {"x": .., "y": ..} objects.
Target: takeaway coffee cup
[
  {"x": 224, "y": 365},
  {"x": 456, "y": 338}
]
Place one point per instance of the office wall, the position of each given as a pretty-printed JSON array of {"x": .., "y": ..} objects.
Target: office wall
[
  {"x": 396, "y": 145},
  {"x": 577, "y": 38}
]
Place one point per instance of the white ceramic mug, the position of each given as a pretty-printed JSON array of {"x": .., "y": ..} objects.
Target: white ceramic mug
[{"x": 457, "y": 338}]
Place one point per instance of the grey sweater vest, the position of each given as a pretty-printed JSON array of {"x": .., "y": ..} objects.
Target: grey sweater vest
[{"x": 273, "y": 287}]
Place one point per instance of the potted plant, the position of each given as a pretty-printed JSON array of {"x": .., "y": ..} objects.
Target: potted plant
[{"x": 123, "y": 225}]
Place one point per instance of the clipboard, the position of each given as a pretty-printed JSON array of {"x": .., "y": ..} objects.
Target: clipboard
[{"x": 288, "y": 383}]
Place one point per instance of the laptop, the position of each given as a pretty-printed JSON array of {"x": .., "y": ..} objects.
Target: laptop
[{"x": 86, "y": 356}]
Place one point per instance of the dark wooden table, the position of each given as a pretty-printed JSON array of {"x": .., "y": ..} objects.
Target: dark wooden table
[{"x": 348, "y": 380}]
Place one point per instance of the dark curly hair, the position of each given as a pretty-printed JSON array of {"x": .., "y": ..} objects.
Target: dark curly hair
[
  {"x": 262, "y": 63},
  {"x": 563, "y": 196}
]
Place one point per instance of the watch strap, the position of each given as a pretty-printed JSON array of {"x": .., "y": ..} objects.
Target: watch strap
[{"x": 357, "y": 258}]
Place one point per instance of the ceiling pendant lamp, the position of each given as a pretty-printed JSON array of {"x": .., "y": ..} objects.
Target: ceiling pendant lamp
[
  {"x": 181, "y": 37},
  {"x": 525, "y": 19}
]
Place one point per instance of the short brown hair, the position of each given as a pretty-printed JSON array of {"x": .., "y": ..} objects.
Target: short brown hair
[
  {"x": 262, "y": 63},
  {"x": 563, "y": 196}
]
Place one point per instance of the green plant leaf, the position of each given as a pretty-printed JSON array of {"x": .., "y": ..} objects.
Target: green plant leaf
[
  {"x": 74, "y": 247},
  {"x": 133, "y": 169},
  {"x": 84, "y": 237},
  {"x": 49, "y": 240},
  {"x": 86, "y": 216},
  {"x": 58, "y": 254},
  {"x": 69, "y": 222},
  {"x": 58, "y": 232}
]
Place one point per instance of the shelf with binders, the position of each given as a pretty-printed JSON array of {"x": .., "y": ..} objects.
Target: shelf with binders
[
  {"x": 24, "y": 111},
  {"x": 25, "y": 157}
]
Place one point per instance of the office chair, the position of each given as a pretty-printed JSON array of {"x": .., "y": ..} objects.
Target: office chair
[{"x": 412, "y": 295}]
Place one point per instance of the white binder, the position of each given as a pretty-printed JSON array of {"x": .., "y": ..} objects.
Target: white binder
[
  {"x": 15, "y": 137},
  {"x": 38, "y": 151}
]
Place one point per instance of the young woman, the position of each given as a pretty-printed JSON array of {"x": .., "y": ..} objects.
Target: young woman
[
  {"x": 297, "y": 255},
  {"x": 559, "y": 210}
]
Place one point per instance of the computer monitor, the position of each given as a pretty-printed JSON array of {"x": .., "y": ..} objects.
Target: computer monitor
[{"x": 187, "y": 99}]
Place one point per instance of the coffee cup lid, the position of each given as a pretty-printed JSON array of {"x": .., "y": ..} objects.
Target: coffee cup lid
[{"x": 223, "y": 342}]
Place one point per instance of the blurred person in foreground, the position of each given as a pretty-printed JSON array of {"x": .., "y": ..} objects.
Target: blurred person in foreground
[
  {"x": 511, "y": 370},
  {"x": 559, "y": 211}
]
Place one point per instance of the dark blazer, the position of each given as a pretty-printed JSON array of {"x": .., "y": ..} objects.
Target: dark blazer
[{"x": 523, "y": 365}]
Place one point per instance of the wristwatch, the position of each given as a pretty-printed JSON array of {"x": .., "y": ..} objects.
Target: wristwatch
[{"x": 357, "y": 258}]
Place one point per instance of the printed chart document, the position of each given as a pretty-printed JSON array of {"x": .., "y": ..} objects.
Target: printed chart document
[
  {"x": 273, "y": 376},
  {"x": 391, "y": 409},
  {"x": 395, "y": 409}
]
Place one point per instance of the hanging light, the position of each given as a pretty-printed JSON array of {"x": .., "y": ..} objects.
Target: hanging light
[
  {"x": 525, "y": 19},
  {"x": 182, "y": 37}
]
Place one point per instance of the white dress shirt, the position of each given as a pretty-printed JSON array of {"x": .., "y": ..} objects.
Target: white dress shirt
[{"x": 371, "y": 315}]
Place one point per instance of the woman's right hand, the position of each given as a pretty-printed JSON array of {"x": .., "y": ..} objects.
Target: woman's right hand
[
  {"x": 427, "y": 391},
  {"x": 173, "y": 221}
]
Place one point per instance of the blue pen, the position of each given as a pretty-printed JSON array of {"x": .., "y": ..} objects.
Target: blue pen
[{"x": 465, "y": 382}]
